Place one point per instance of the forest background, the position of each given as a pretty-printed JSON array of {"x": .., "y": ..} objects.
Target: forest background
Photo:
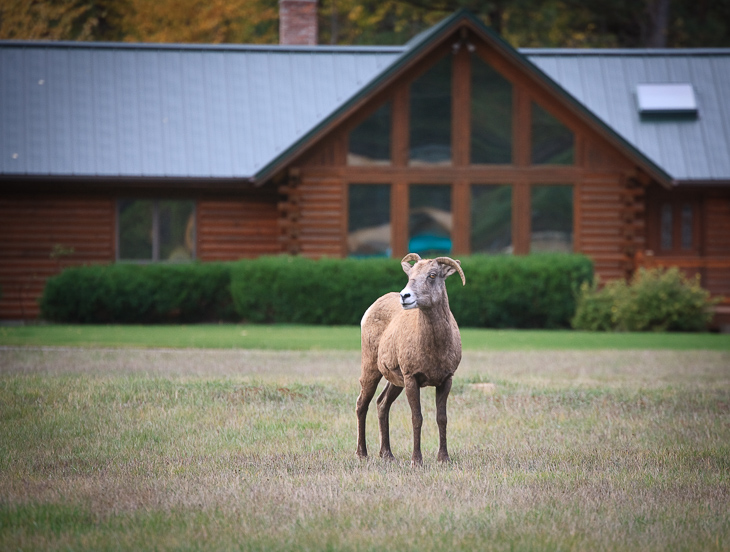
[{"x": 523, "y": 23}]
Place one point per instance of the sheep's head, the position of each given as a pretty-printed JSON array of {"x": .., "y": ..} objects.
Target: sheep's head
[{"x": 427, "y": 281}]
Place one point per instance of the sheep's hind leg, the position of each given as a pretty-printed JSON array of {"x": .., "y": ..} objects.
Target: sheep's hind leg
[
  {"x": 442, "y": 394},
  {"x": 367, "y": 392},
  {"x": 385, "y": 400},
  {"x": 413, "y": 394}
]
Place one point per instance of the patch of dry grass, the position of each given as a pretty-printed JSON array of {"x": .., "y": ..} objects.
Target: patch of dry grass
[{"x": 201, "y": 450}]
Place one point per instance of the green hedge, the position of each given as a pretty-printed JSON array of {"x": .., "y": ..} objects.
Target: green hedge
[
  {"x": 140, "y": 294},
  {"x": 654, "y": 300},
  {"x": 536, "y": 291}
]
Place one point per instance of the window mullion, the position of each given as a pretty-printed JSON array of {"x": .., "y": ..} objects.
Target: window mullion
[{"x": 156, "y": 231}]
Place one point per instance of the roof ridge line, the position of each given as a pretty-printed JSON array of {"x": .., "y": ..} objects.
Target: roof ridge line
[{"x": 281, "y": 48}]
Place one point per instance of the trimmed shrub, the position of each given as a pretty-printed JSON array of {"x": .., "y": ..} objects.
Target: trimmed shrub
[
  {"x": 140, "y": 294},
  {"x": 654, "y": 300},
  {"x": 536, "y": 291}
]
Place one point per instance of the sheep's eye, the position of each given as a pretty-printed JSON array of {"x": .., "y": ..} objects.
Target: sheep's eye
[{"x": 432, "y": 275}]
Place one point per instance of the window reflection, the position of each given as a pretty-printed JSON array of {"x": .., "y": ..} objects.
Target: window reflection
[
  {"x": 370, "y": 140},
  {"x": 552, "y": 141},
  {"x": 491, "y": 114},
  {"x": 156, "y": 230},
  {"x": 551, "y": 219},
  {"x": 368, "y": 232},
  {"x": 430, "y": 116},
  {"x": 491, "y": 219},
  {"x": 430, "y": 221}
]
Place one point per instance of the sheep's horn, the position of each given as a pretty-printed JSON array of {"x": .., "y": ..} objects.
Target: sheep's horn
[
  {"x": 454, "y": 264},
  {"x": 411, "y": 257}
]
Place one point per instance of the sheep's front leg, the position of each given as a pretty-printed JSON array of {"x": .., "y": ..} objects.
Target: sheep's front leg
[
  {"x": 413, "y": 394},
  {"x": 386, "y": 398},
  {"x": 442, "y": 394},
  {"x": 368, "y": 386}
]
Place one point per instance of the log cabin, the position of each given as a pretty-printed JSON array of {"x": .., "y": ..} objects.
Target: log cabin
[{"x": 454, "y": 143}]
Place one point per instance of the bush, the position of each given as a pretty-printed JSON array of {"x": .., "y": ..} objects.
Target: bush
[
  {"x": 536, "y": 291},
  {"x": 128, "y": 293},
  {"x": 654, "y": 300}
]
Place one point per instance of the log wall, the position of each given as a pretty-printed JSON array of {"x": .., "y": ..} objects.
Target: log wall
[{"x": 40, "y": 236}]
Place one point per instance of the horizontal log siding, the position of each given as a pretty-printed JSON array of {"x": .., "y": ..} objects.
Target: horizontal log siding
[
  {"x": 321, "y": 217},
  {"x": 236, "y": 228},
  {"x": 31, "y": 227},
  {"x": 717, "y": 235},
  {"x": 600, "y": 224}
]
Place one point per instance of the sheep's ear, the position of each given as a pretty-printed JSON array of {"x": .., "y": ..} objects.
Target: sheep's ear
[{"x": 407, "y": 267}]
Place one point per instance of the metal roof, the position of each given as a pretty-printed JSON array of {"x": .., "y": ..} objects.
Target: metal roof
[
  {"x": 187, "y": 111},
  {"x": 694, "y": 148},
  {"x": 211, "y": 111}
]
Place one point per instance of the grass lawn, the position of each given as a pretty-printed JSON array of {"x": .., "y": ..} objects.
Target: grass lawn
[
  {"x": 139, "y": 449},
  {"x": 286, "y": 337}
]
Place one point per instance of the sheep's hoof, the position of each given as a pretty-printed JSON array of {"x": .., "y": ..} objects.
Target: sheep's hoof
[
  {"x": 362, "y": 455},
  {"x": 417, "y": 462},
  {"x": 387, "y": 456},
  {"x": 443, "y": 458}
]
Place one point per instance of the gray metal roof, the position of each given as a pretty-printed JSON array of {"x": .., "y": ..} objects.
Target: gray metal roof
[
  {"x": 167, "y": 111},
  {"x": 194, "y": 111},
  {"x": 688, "y": 148}
]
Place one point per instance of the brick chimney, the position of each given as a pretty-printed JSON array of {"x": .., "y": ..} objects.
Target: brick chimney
[{"x": 298, "y": 22}]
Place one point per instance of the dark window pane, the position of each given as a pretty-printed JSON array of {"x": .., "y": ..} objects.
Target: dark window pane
[
  {"x": 552, "y": 141},
  {"x": 135, "y": 229},
  {"x": 430, "y": 220},
  {"x": 687, "y": 226},
  {"x": 667, "y": 226},
  {"x": 491, "y": 219},
  {"x": 368, "y": 231},
  {"x": 370, "y": 140},
  {"x": 176, "y": 230},
  {"x": 491, "y": 114},
  {"x": 430, "y": 133},
  {"x": 551, "y": 219}
]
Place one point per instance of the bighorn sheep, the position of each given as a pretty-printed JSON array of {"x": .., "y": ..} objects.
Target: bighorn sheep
[{"x": 412, "y": 339}]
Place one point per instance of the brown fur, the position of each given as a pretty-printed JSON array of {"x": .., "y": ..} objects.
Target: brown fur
[{"x": 412, "y": 349}]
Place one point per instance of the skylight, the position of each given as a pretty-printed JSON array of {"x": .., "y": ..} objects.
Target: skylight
[{"x": 674, "y": 98}]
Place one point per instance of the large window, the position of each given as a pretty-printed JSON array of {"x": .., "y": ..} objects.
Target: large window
[
  {"x": 491, "y": 114},
  {"x": 430, "y": 221},
  {"x": 552, "y": 141},
  {"x": 368, "y": 232},
  {"x": 370, "y": 140},
  {"x": 491, "y": 219},
  {"x": 156, "y": 230},
  {"x": 551, "y": 219},
  {"x": 430, "y": 116}
]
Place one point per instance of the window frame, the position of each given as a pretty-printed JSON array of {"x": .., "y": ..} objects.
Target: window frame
[{"x": 155, "y": 230}]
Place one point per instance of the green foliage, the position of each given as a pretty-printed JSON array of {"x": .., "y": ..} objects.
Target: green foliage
[
  {"x": 654, "y": 300},
  {"x": 127, "y": 293},
  {"x": 537, "y": 291}
]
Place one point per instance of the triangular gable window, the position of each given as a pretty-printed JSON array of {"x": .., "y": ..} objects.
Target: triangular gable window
[
  {"x": 430, "y": 115},
  {"x": 552, "y": 141},
  {"x": 491, "y": 115},
  {"x": 370, "y": 140}
]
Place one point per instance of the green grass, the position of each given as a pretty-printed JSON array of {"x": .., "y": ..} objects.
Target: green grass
[
  {"x": 254, "y": 450},
  {"x": 287, "y": 337}
]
